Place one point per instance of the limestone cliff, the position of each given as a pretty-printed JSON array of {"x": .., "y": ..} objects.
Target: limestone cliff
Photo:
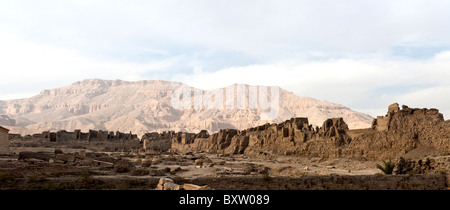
[{"x": 144, "y": 106}]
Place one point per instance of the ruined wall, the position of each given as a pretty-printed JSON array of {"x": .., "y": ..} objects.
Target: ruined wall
[
  {"x": 176, "y": 142},
  {"x": 92, "y": 135},
  {"x": 98, "y": 141},
  {"x": 431, "y": 165},
  {"x": 381, "y": 123},
  {"x": 363, "y": 182},
  {"x": 403, "y": 130},
  {"x": 294, "y": 136},
  {"x": 158, "y": 142},
  {"x": 297, "y": 137},
  {"x": 4, "y": 141},
  {"x": 391, "y": 136}
]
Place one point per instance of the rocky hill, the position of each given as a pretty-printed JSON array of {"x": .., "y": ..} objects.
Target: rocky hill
[{"x": 146, "y": 106}]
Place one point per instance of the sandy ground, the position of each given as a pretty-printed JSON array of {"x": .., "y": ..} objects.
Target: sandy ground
[
  {"x": 144, "y": 171},
  {"x": 184, "y": 166},
  {"x": 281, "y": 166}
]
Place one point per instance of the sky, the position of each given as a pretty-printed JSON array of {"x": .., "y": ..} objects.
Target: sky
[{"x": 364, "y": 55}]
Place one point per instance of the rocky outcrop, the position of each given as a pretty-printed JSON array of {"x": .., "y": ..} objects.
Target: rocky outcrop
[{"x": 391, "y": 136}]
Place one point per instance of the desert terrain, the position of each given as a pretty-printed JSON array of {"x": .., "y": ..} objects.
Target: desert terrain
[
  {"x": 292, "y": 155},
  {"x": 146, "y": 106}
]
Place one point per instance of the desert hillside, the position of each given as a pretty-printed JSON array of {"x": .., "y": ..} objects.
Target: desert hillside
[{"x": 146, "y": 106}]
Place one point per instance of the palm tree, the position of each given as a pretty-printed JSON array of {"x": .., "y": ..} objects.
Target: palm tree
[{"x": 387, "y": 167}]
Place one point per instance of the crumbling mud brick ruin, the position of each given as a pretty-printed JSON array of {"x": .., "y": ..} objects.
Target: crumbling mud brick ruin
[
  {"x": 399, "y": 132},
  {"x": 266, "y": 157},
  {"x": 4, "y": 140},
  {"x": 391, "y": 136}
]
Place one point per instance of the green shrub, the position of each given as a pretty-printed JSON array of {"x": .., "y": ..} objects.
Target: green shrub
[{"x": 387, "y": 167}]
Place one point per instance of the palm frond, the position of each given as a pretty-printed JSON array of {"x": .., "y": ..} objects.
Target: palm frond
[{"x": 387, "y": 167}]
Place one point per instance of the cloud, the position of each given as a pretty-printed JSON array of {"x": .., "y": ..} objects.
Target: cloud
[
  {"x": 433, "y": 97},
  {"x": 362, "y": 54},
  {"x": 32, "y": 66},
  {"x": 368, "y": 84},
  {"x": 261, "y": 28}
]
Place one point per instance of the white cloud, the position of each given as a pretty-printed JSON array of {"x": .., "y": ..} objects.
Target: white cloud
[
  {"x": 36, "y": 67},
  {"x": 364, "y": 84},
  {"x": 434, "y": 97},
  {"x": 334, "y": 50},
  {"x": 263, "y": 28}
]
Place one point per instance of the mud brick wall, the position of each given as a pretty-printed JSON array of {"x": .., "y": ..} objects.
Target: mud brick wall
[
  {"x": 4, "y": 141},
  {"x": 363, "y": 182}
]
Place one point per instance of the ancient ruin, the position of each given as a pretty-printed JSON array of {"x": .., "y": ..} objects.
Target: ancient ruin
[
  {"x": 290, "y": 155},
  {"x": 4, "y": 140},
  {"x": 102, "y": 141},
  {"x": 92, "y": 135},
  {"x": 391, "y": 136}
]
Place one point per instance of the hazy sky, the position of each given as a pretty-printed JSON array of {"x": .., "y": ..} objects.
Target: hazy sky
[{"x": 362, "y": 54}]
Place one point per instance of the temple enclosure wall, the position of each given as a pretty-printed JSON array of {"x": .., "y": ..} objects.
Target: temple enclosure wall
[
  {"x": 4, "y": 140},
  {"x": 93, "y": 140},
  {"x": 399, "y": 133},
  {"x": 402, "y": 132}
]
